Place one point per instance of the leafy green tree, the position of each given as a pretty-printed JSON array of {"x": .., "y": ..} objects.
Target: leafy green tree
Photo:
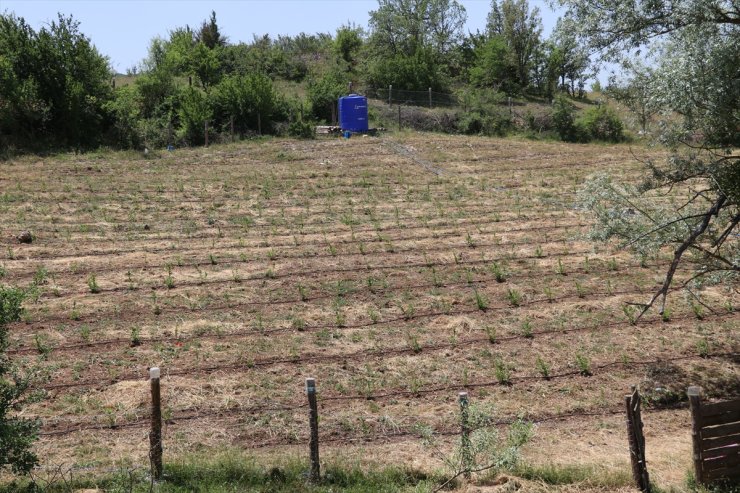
[
  {"x": 569, "y": 58},
  {"x": 494, "y": 66},
  {"x": 194, "y": 111},
  {"x": 248, "y": 99},
  {"x": 413, "y": 43},
  {"x": 636, "y": 93},
  {"x": 521, "y": 28},
  {"x": 696, "y": 46},
  {"x": 324, "y": 91},
  {"x": 16, "y": 434},
  {"x": 411, "y": 73},
  {"x": 209, "y": 34},
  {"x": 404, "y": 26},
  {"x": 347, "y": 43},
  {"x": 55, "y": 83}
]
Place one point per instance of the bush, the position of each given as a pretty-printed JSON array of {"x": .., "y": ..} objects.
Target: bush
[
  {"x": 324, "y": 92},
  {"x": 16, "y": 434},
  {"x": 564, "y": 120},
  {"x": 602, "y": 123},
  {"x": 195, "y": 111},
  {"x": 302, "y": 130},
  {"x": 480, "y": 123},
  {"x": 251, "y": 100}
]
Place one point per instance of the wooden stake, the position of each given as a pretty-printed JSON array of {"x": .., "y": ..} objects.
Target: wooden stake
[
  {"x": 636, "y": 441},
  {"x": 259, "y": 123},
  {"x": 465, "y": 444},
  {"x": 430, "y": 98},
  {"x": 313, "y": 420},
  {"x": 694, "y": 394},
  {"x": 399, "y": 116},
  {"x": 155, "y": 436},
  {"x": 231, "y": 124},
  {"x": 390, "y": 92},
  {"x": 206, "y": 133}
]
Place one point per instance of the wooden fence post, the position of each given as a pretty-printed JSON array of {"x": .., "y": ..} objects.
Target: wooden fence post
[
  {"x": 430, "y": 98},
  {"x": 636, "y": 441},
  {"x": 467, "y": 459},
  {"x": 259, "y": 123},
  {"x": 390, "y": 92},
  {"x": 694, "y": 394},
  {"x": 399, "y": 116},
  {"x": 313, "y": 420},
  {"x": 231, "y": 124},
  {"x": 155, "y": 436},
  {"x": 206, "y": 132}
]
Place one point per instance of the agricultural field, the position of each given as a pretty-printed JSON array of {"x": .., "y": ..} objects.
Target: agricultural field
[{"x": 398, "y": 271}]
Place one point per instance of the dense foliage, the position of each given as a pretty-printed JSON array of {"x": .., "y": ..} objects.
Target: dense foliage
[
  {"x": 692, "y": 90},
  {"x": 16, "y": 434},
  {"x": 58, "y": 92}
]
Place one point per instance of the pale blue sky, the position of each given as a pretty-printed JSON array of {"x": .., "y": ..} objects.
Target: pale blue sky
[{"x": 122, "y": 29}]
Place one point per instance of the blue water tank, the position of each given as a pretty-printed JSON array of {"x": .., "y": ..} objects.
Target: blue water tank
[{"x": 353, "y": 113}]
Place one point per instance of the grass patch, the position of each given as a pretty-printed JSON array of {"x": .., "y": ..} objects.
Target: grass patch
[
  {"x": 585, "y": 475},
  {"x": 237, "y": 472}
]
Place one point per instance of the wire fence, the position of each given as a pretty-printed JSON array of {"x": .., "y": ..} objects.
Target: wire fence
[{"x": 428, "y": 98}]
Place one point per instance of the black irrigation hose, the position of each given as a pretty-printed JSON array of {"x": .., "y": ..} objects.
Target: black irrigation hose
[
  {"x": 372, "y": 397},
  {"x": 361, "y": 290},
  {"x": 358, "y": 355},
  {"x": 378, "y": 239}
]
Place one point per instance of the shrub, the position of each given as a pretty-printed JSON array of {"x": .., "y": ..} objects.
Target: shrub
[
  {"x": 195, "y": 110},
  {"x": 324, "y": 92},
  {"x": 602, "y": 123},
  {"x": 301, "y": 130},
  {"x": 16, "y": 434},
  {"x": 564, "y": 120}
]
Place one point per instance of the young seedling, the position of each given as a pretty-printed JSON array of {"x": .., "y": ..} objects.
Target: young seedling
[
  {"x": 502, "y": 371},
  {"x": 491, "y": 333},
  {"x": 498, "y": 272},
  {"x": 135, "y": 336},
  {"x": 302, "y": 292},
  {"x": 538, "y": 252},
  {"x": 611, "y": 264},
  {"x": 75, "y": 313},
  {"x": 514, "y": 296},
  {"x": 169, "y": 281},
  {"x": 580, "y": 290},
  {"x": 631, "y": 313},
  {"x": 413, "y": 340},
  {"x": 583, "y": 365},
  {"x": 543, "y": 368},
  {"x": 527, "y": 330},
  {"x": 549, "y": 294},
  {"x": 480, "y": 301},
  {"x": 702, "y": 347},
  {"x": 92, "y": 284},
  {"x": 560, "y": 269}
]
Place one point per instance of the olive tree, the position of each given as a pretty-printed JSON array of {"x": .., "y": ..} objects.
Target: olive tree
[{"x": 695, "y": 50}]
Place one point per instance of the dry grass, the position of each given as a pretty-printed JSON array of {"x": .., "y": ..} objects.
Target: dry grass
[{"x": 346, "y": 261}]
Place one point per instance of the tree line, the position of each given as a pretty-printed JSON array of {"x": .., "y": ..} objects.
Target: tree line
[{"x": 57, "y": 89}]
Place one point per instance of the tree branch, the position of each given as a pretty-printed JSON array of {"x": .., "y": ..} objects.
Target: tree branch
[{"x": 688, "y": 242}]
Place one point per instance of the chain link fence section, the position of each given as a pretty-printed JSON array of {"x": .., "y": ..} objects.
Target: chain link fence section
[{"x": 429, "y": 98}]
